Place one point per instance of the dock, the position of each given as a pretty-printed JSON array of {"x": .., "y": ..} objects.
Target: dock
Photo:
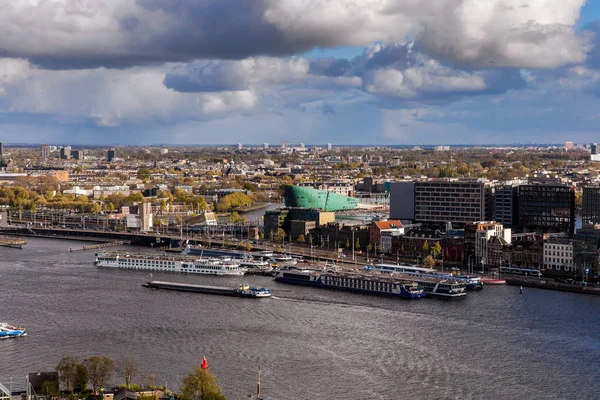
[{"x": 99, "y": 246}]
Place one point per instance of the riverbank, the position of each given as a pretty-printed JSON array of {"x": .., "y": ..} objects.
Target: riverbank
[{"x": 550, "y": 284}]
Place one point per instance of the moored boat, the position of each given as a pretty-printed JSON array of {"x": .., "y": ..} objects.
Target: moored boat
[
  {"x": 356, "y": 282},
  {"x": 166, "y": 263},
  {"x": 10, "y": 331}
]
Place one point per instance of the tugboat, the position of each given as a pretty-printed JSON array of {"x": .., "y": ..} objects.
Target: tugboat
[{"x": 9, "y": 331}]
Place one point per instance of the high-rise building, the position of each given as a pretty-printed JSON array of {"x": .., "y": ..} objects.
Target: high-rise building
[
  {"x": 547, "y": 208},
  {"x": 505, "y": 204},
  {"x": 594, "y": 148},
  {"x": 441, "y": 201},
  {"x": 329, "y": 146},
  {"x": 265, "y": 145},
  {"x": 569, "y": 145},
  {"x": 110, "y": 155},
  {"x": 45, "y": 151},
  {"x": 590, "y": 207},
  {"x": 78, "y": 154},
  {"x": 65, "y": 152},
  {"x": 1, "y": 150},
  {"x": 240, "y": 146}
]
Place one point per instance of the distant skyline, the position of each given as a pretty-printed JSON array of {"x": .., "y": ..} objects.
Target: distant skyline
[{"x": 145, "y": 72}]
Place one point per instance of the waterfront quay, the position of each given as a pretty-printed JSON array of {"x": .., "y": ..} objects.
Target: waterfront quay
[{"x": 552, "y": 284}]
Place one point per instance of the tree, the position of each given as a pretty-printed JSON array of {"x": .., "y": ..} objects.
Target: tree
[
  {"x": 347, "y": 243},
  {"x": 200, "y": 385},
  {"x": 144, "y": 174},
  {"x": 357, "y": 244},
  {"x": 99, "y": 369},
  {"x": 301, "y": 239},
  {"x": 279, "y": 234},
  {"x": 426, "y": 247},
  {"x": 67, "y": 371},
  {"x": 428, "y": 262},
  {"x": 235, "y": 217},
  {"x": 436, "y": 250},
  {"x": 128, "y": 367}
]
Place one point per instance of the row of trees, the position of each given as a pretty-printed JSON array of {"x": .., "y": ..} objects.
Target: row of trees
[{"x": 200, "y": 384}]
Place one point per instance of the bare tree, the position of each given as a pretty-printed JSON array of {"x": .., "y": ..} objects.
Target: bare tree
[
  {"x": 99, "y": 371},
  {"x": 128, "y": 367}
]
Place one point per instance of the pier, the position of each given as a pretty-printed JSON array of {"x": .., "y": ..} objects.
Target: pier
[{"x": 99, "y": 246}]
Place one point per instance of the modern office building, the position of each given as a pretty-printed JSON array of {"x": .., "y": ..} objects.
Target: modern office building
[
  {"x": 65, "y": 153},
  {"x": 110, "y": 155},
  {"x": 506, "y": 204},
  {"x": 45, "y": 152},
  {"x": 590, "y": 208},
  {"x": 441, "y": 201},
  {"x": 78, "y": 154},
  {"x": 547, "y": 208}
]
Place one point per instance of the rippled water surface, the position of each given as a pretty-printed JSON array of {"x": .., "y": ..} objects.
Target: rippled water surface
[{"x": 310, "y": 343}]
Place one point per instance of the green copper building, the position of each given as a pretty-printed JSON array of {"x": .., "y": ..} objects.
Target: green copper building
[{"x": 306, "y": 197}]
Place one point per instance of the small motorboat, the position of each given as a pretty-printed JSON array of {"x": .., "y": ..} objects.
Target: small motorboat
[{"x": 9, "y": 331}]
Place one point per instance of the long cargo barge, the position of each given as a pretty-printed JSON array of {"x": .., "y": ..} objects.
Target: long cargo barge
[{"x": 241, "y": 291}]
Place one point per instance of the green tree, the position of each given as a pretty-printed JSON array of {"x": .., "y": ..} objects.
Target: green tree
[
  {"x": 201, "y": 385},
  {"x": 235, "y": 217},
  {"x": 301, "y": 239},
  {"x": 144, "y": 174},
  {"x": 426, "y": 247},
  {"x": 100, "y": 369},
  {"x": 357, "y": 244},
  {"x": 67, "y": 370}
]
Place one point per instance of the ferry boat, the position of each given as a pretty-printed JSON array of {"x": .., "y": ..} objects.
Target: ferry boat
[
  {"x": 153, "y": 262},
  {"x": 9, "y": 331},
  {"x": 470, "y": 282},
  {"x": 374, "y": 284}
]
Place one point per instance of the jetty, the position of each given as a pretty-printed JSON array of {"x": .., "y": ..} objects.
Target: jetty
[{"x": 99, "y": 246}]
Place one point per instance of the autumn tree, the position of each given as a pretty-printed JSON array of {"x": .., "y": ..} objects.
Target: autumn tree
[
  {"x": 128, "y": 366},
  {"x": 429, "y": 262},
  {"x": 436, "y": 249}
]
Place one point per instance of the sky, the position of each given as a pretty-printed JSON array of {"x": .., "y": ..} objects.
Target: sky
[{"x": 395, "y": 72}]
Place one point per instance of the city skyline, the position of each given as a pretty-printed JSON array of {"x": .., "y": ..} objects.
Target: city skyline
[{"x": 148, "y": 72}]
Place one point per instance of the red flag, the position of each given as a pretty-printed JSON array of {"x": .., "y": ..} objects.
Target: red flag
[{"x": 204, "y": 364}]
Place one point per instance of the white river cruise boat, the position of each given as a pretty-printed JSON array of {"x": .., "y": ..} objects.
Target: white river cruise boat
[{"x": 167, "y": 263}]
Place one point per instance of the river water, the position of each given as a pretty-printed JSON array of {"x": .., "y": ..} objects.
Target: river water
[{"x": 311, "y": 343}]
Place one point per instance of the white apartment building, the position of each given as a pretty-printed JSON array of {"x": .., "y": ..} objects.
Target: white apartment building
[{"x": 558, "y": 255}]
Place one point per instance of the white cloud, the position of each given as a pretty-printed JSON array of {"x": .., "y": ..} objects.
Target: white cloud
[
  {"x": 85, "y": 33},
  {"x": 111, "y": 97}
]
